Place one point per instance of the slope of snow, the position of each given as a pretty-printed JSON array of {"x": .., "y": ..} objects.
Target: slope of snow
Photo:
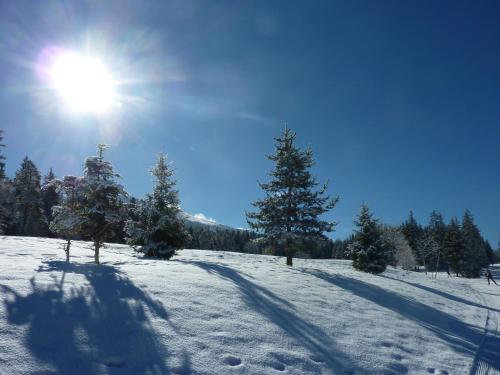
[{"x": 210, "y": 312}]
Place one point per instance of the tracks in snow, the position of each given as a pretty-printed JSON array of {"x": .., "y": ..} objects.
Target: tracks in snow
[{"x": 488, "y": 350}]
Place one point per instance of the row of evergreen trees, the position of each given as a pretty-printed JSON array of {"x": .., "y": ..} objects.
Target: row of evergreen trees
[
  {"x": 287, "y": 221},
  {"x": 455, "y": 247}
]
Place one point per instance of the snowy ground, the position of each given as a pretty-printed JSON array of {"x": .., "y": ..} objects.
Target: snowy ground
[{"x": 209, "y": 312}]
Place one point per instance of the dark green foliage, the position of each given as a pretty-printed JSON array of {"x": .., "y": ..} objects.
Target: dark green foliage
[
  {"x": 7, "y": 200},
  {"x": 29, "y": 217},
  {"x": 413, "y": 232},
  {"x": 453, "y": 247},
  {"x": 2, "y": 158},
  {"x": 436, "y": 230},
  {"x": 475, "y": 256},
  {"x": 221, "y": 238},
  {"x": 490, "y": 254},
  {"x": 289, "y": 215},
  {"x": 368, "y": 252}
]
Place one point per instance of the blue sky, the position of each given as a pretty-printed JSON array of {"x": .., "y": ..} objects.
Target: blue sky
[{"x": 400, "y": 101}]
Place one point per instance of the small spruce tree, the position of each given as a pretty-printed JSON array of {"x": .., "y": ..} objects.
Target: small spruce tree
[
  {"x": 368, "y": 251},
  {"x": 156, "y": 228},
  {"x": 289, "y": 215}
]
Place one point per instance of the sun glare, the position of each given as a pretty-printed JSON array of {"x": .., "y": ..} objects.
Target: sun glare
[{"x": 82, "y": 82}]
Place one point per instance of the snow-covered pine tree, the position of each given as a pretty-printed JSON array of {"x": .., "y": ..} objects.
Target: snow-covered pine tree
[
  {"x": 50, "y": 196},
  {"x": 368, "y": 251},
  {"x": 157, "y": 228},
  {"x": 453, "y": 247},
  {"x": 289, "y": 215},
  {"x": 100, "y": 208},
  {"x": 29, "y": 217},
  {"x": 66, "y": 220},
  {"x": 475, "y": 255}
]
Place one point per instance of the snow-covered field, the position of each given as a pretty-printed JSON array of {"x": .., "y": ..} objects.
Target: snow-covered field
[{"x": 210, "y": 312}]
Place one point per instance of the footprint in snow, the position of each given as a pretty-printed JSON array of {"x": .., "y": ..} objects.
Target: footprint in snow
[
  {"x": 232, "y": 360},
  {"x": 316, "y": 359},
  {"x": 397, "y": 357},
  {"x": 386, "y": 344},
  {"x": 114, "y": 361},
  {"x": 398, "y": 368},
  {"x": 279, "y": 366}
]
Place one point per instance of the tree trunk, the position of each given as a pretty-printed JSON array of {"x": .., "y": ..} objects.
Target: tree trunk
[
  {"x": 96, "y": 252},
  {"x": 68, "y": 244},
  {"x": 289, "y": 260}
]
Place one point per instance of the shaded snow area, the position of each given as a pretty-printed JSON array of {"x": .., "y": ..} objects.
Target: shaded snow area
[{"x": 209, "y": 312}]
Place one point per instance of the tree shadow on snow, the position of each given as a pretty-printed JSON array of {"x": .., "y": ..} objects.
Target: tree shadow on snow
[
  {"x": 102, "y": 327},
  {"x": 280, "y": 312},
  {"x": 460, "y": 336},
  {"x": 442, "y": 294}
]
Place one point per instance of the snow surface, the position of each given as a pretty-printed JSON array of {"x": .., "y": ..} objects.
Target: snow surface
[{"x": 209, "y": 312}]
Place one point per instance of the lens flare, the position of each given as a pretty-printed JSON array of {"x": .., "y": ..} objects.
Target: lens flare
[{"x": 82, "y": 82}]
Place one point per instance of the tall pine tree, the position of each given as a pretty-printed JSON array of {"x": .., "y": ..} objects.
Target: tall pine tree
[
  {"x": 475, "y": 255},
  {"x": 29, "y": 217},
  {"x": 453, "y": 247},
  {"x": 157, "y": 228},
  {"x": 289, "y": 215}
]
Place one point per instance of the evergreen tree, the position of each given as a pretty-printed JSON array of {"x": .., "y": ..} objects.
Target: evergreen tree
[
  {"x": 66, "y": 219},
  {"x": 29, "y": 216},
  {"x": 436, "y": 230},
  {"x": 157, "y": 228},
  {"x": 50, "y": 196},
  {"x": 453, "y": 247},
  {"x": 100, "y": 208},
  {"x": 289, "y": 215},
  {"x": 490, "y": 254},
  {"x": 7, "y": 200},
  {"x": 2, "y": 158},
  {"x": 413, "y": 231},
  {"x": 368, "y": 251},
  {"x": 475, "y": 255}
]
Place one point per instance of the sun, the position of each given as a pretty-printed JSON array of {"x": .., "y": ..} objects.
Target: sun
[{"x": 82, "y": 82}]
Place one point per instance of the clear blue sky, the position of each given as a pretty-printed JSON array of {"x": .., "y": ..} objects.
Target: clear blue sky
[{"x": 400, "y": 101}]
